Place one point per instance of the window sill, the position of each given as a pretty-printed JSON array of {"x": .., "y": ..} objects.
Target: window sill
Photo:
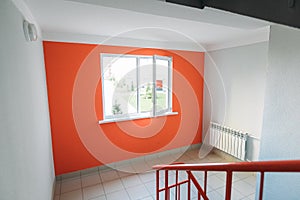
[{"x": 105, "y": 121}]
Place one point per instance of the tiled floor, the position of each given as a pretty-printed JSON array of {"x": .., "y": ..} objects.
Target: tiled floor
[{"x": 105, "y": 183}]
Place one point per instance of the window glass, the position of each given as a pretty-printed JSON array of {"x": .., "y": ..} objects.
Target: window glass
[
  {"x": 146, "y": 84},
  {"x": 161, "y": 85},
  {"x": 120, "y": 83}
]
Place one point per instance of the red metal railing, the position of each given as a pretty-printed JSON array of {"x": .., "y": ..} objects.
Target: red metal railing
[{"x": 229, "y": 168}]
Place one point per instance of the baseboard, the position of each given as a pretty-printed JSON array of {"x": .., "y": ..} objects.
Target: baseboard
[
  {"x": 180, "y": 150},
  {"x": 230, "y": 158},
  {"x": 226, "y": 156},
  {"x": 53, "y": 188}
]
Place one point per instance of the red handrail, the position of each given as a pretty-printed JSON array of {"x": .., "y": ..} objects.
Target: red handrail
[
  {"x": 229, "y": 168},
  {"x": 267, "y": 166}
]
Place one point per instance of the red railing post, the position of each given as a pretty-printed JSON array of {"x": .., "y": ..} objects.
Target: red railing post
[
  {"x": 228, "y": 185},
  {"x": 189, "y": 186},
  {"x": 177, "y": 186},
  {"x": 205, "y": 184},
  {"x": 167, "y": 191},
  {"x": 157, "y": 184},
  {"x": 205, "y": 181},
  {"x": 261, "y": 185}
]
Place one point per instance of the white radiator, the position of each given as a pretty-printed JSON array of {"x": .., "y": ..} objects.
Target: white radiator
[{"x": 229, "y": 140}]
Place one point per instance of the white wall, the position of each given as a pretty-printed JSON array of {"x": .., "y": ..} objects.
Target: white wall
[
  {"x": 234, "y": 90},
  {"x": 281, "y": 127},
  {"x": 26, "y": 166}
]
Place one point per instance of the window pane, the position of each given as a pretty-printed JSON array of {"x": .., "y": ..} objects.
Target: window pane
[
  {"x": 119, "y": 88},
  {"x": 146, "y": 84},
  {"x": 161, "y": 85}
]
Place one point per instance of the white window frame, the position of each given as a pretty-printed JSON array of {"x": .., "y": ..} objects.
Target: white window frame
[{"x": 139, "y": 115}]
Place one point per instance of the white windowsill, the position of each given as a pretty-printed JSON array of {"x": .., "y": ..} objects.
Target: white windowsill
[{"x": 134, "y": 117}]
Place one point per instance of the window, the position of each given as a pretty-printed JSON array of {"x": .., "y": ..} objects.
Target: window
[{"x": 135, "y": 86}]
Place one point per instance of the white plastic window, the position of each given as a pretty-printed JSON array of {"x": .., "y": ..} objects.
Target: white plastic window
[{"x": 135, "y": 86}]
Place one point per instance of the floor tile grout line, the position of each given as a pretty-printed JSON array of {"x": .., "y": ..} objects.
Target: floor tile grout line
[
  {"x": 81, "y": 187},
  {"x": 144, "y": 184},
  {"x": 99, "y": 171},
  {"x": 125, "y": 189},
  {"x": 60, "y": 188}
]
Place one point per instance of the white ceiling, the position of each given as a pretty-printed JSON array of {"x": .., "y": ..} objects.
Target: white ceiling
[{"x": 153, "y": 20}]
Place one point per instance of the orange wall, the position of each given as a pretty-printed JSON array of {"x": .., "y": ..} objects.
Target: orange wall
[{"x": 74, "y": 92}]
